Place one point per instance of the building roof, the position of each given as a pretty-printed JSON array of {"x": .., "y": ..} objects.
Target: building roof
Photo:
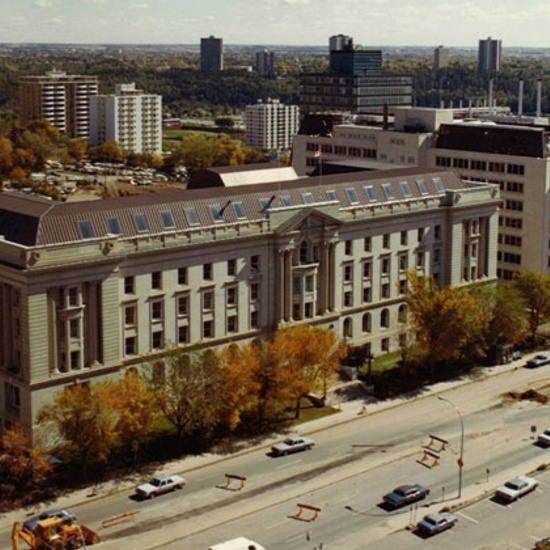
[
  {"x": 31, "y": 221},
  {"x": 521, "y": 141}
]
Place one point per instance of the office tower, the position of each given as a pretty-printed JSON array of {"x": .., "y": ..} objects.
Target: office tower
[
  {"x": 355, "y": 83},
  {"x": 130, "y": 117},
  {"x": 265, "y": 63},
  {"x": 489, "y": 55},
  {"x": 441, "y": 57},
  {"x": 211, "y": 54},
  {"x": 271, "y": 125},
  {"x": 60, "y": 99}
]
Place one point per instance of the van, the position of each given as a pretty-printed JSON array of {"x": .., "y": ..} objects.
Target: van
[{"x": 240, "y": 543}]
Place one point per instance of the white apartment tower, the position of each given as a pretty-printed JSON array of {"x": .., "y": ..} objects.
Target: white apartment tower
[
  {"x": 130, "y": 117},
  {"x": 59, "y": 98},
  {"x": 271, "y": 125}
]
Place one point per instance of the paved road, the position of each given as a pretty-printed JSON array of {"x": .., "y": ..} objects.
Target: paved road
[{"x": 383, "y": 446}]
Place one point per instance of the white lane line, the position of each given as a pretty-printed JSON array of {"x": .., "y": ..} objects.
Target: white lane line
[
  {"x": 287, "y": 464},
  {"x": 465, "y": 516}
]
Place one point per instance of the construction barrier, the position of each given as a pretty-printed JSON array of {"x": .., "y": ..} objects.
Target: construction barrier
[
  {"x": 441, "y": 444},
  {"x": 233, "y": 482},
  {"x": 426, "y": 457},
  {"x": 312, "y": 510},
  {"x": 114, "y": 519}
]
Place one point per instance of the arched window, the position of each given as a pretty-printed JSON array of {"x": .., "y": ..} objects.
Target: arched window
[
  {"x": 385, "y": 318},
  {"x": 348, "y": 328},
  {"x": 366, "y": 322}
]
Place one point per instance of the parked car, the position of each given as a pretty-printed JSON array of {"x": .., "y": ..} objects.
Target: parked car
[
  {"x": 405, "y": 494},
  {"x": 159, "y": 485},
  {"x": 516, "y": 488},
  {"x": 31, "y": 523},
  {"x": 543, "y": 544},
  {"x": 543, "y": 439},
  {"x": 435, "y": 523},
  {"x": 538, "y": 361},
  {"x": 292, "y": 445}
]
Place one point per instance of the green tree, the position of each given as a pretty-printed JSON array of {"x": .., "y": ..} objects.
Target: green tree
[
  {"x": 84, "y": 419},
  {"x": 191, "y": 398},
  {"x": 447, "y": 321},
  {"x": 534, "y": 288},
  {"x": 107, "y": 152}
]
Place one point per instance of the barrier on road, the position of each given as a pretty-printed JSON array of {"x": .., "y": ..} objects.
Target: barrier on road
[
  {"x": 441, "y": 444},
  {"x": 114, "y": 519},
  {"x": 306, "y": 507},
  {"x": 427, "y": 456},
  {"x": 233, "y": 482}
]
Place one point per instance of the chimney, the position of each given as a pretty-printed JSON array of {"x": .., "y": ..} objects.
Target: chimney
[
  {"x": 520, "y": 99},
  {"x": 539, "y": 97}
]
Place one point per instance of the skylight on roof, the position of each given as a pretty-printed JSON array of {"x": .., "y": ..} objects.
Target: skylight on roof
[
  {"x": 438, "y": 185},
  {"x": 86, "y": 229},
  {"x": 239, "y": 210},
  {"x": 352, "y": 196},
  {"x": 216, "y": 213},
  {"x": 167, "y": 220},
  {"x": 191, "y": 215},
  {"x": 388, "y": 191},
  {"x": 369, "y": 190},
  {"x": 286, "y": 201},
  {"x": 114, "y": 226},
  {"x": 308, "y": 198},
  {"x": 422, "y": 187},
  {"x": 406, "y": 189},
  {"x": 331, "y": 195},
  {"x": 141, "y": 223}
]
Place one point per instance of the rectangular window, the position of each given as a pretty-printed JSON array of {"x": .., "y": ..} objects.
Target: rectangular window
[
  {"x": 254, "y": 291},
  {"x": 404, "y": 238},
  {"x": 437, "y": 256},
  {"x": 239, "y": 210},
  {"x": 130, "y": 316},
  {"x": 348, "y": 299},
  {"x": 403, "y": 262},
  {"x": 367, "y": 246},
  {"x": 402, "y": 286},
  {"x": 232, "y": 323},
  {"x": 386, "y": 240},
  {"x": 421, "y": 187},
  {"x": 158, "y": 339},
  {"x": 348, "y": 273},
  {"x": 406, "y": 189},
  {"x": 86, "y": 229},
  {"x": 385, "y": 290},
  {"x": 254, "y": 319},
  {"x": 331, "y": 195},
  {"x": 183, "y": 335},
  {"x": 183, "y": 305},
  {"x": 348, "y": 248},
  {"x": 75, "y": 360},
  {"x": 207, "y": 272},
  {"x": 216, "y": 213},
  {"x": 367, "y": 294},
  {"x": 231, "y": 295},
  {"x": 207, "y": 329},
  {"x": 367, "y": 270},
  {"x": 182, "y": 276},
  {"x": 130, "y": 345},
  {"x": 420, "y": 234},
  {"x": 437, "y": 232},
  {"x": 385, "y": 266},
  {"x": 308, "y": 283},
  {"x": 420, "y": 259},
  {"x": 207, "y": 300},
  {"x": 307, "y": 198},
  {"x": 438, "y": 185},
  {"x": 73, "y": 296},
  {"x": 156, "y": 311},
  {"x": 255, "y": 264},
  {"x": 73, "y": 328},
  {"x": 129, "y": 285},
  {"x": 156, "y": 280},
  {"x": 388, "y": 191},
  {"x": 286, "y": 200},
  {"x": 231, "y": 267},
  {"x": 113, "y": 226},
  {"x": 13, "y": 396}
]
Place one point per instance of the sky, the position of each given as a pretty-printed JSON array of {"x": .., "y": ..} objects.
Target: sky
[{"x": 452, "y": 23}]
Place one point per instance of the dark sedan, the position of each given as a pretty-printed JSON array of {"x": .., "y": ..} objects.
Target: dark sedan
[{"x": 405, "y": 494}]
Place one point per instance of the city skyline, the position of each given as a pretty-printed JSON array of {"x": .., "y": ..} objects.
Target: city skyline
[{"x": 275, "y": 22}]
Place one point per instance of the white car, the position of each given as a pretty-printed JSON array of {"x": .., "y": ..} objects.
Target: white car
[
  {"x": 516, "y": 488},
  {"x": 292, "y": 445},
  {"x": 543, "y": 439},
  {"x": 159, "y": 485}
]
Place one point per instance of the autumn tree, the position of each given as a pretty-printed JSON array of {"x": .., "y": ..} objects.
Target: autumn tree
[
  {"x": 190, "y": 399},
  {"x": 107, "y": 152},
  {"x": 447, "y": 321},
  {"x": 309, "y": 359},
  {"x": 23, "y": 467},
  {"x": 534, "y": 289},
  {"x": 84, "y": 419},
  {"x": 133, "y": 400}
]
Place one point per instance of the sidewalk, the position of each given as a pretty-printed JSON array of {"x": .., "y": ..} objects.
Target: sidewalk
[{"x": 349, "y": 410}]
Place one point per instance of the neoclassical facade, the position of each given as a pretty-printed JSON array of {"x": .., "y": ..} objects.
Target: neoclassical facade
[{"x": 90, "y": 289}]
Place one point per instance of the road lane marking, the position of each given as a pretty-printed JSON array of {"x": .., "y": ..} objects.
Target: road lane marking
[
  {"x": 287, "y": 464},
  {"x": 470, "y": 518}
]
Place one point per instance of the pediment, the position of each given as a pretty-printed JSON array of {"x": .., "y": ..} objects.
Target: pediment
[{"x": 307, "y": 219}]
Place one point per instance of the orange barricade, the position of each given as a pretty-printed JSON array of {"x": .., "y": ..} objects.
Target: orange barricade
[
  {"x": 426, "y": 457},
  {"x": 441, "y": 444},
  {"x": 301, "y": 507},
  {"x": 230, "y": 480}
]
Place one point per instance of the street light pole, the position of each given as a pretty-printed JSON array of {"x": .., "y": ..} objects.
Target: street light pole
[{"x": 460, "y": 461}]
